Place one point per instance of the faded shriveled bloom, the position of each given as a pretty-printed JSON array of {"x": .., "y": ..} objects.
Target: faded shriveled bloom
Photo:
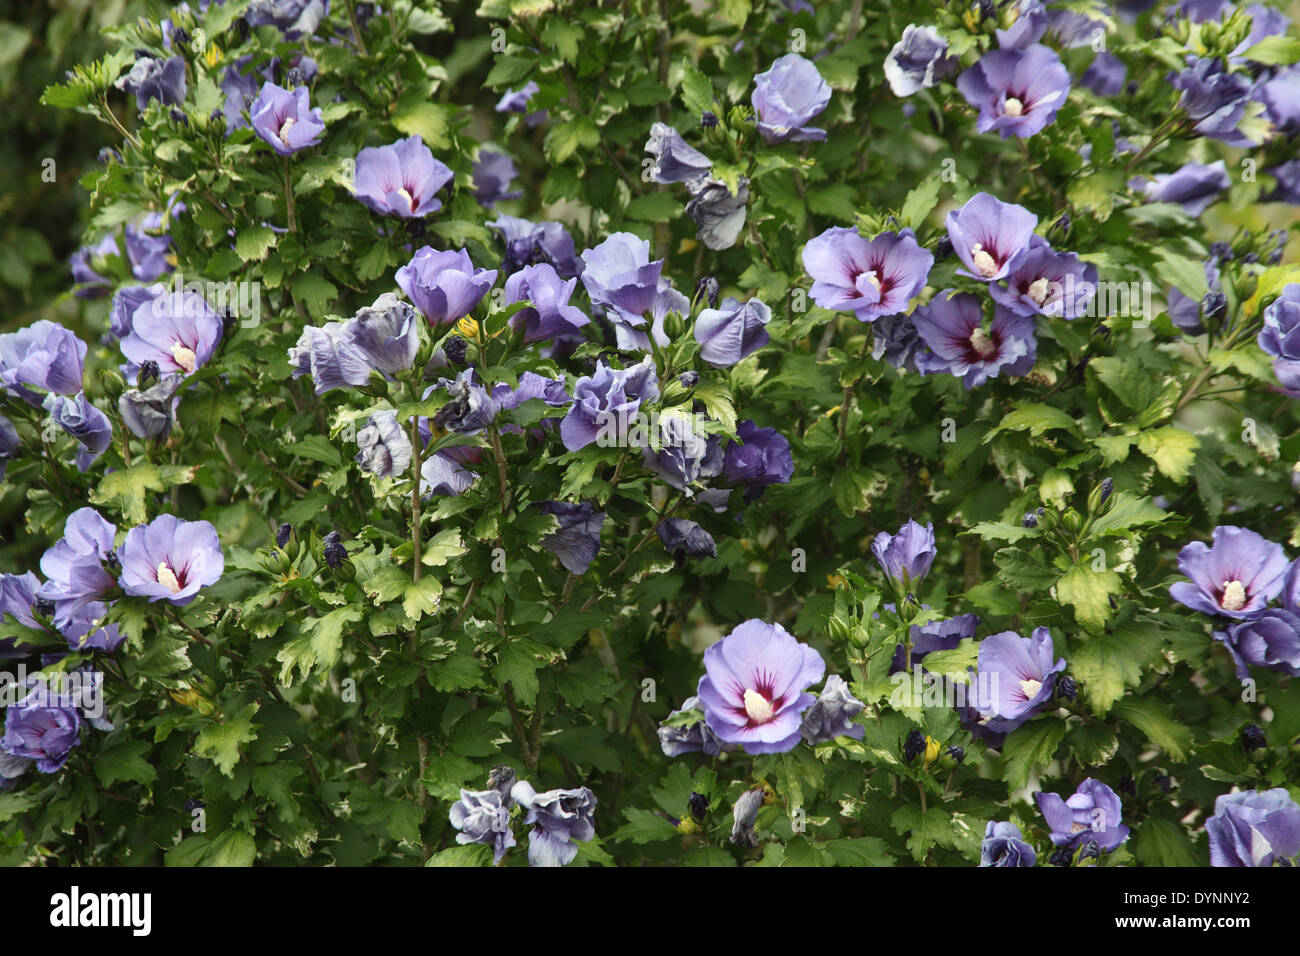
[
  {"x": 82, "y": 421},
  {"x": 471, "y": 408},
  {"x": 1194, "y": 186},
  {"x": 549, "y": 315},
  {"x": 285, "y": 119},
  {"x": 1017, "y": 92},
  {"x": 754, "y": 690},
  {"x": 675, "y": 160},
  {"x": 1004, "y": 845},
  {"x": 576, "y": 541},
  {"x": 683, "y": 538},
  {"x": 760, "y": 457},
  {"x": 44, "y": 356},
  {"x": 170, "y": 559},
  {"x": 870, "y": 278},
  {"x": 731, "y": 332},
  {"x": 1042, "y": 281},
  {"x": 481, "y": 817},
  {"x": 718, "y": 213},
  {"x": 1017, "y": 677},
  {"x": 787, "y": 97},
  {"x": 295, "y": 18},
  {"x": 445, "y": 286},
  {"x": 1090, "y": 815},
  {"x": 831, "y": 715},
  {"x": 1236, "y": 576},
  {"x": 560, "y": 820},
  {"x": 987, "y": 234},
  {"x": 608, "y": 401},
  {"x": 684, "y": 731},
  {"x": 385, "y": 451},
  {"x": 906, "y": 556},
  {"x": 179, "y": 331},
  {"x": 1254, "y": 828},
  {"x": 744, "y": 814},
  {"x": 952, "y": 327},
  {"x": 400, "y": 179},
  {"x": 150, "y": 413},
  {"x": 918, "y": 61}
]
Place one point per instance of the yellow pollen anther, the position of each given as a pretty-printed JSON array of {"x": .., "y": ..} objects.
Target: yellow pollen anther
[
  {"x": 1234, "y": 596},
  {"x": 758, "y": 707},
  {"x": 984, "y": 262},
  {"x": 983, "y": 344},
  {"x": 167, "y": 578},
  {"x": 184, "y": 356},
  {"x": 284, "y": 130},
  {"x": 1031, "y": 687},
  {"x": 1038, "y": 290},
  {"x": 1014, "y": 107}
]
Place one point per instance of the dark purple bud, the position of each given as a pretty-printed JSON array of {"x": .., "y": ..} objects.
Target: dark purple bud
[
  {"x": 113, "y": 561},
  {"x": 455, "y": 350},
  {"x": 689, "y": 379},
  {"x": 1090, "y": 851},
  {"x": 283, "y": 533},
  {"x": 178, "y": 117},
  {"x": 1221, "y": 251},
  {"x": 914, "y": 745},
  {"x": 698, "y": 802},
  {"x": 942, "y": 249},
  {"x": 1127, "y": 786},
  {"x": 1107, "y": 487},
  {"x": 502, "y": 778},
  {"x": 1061, "y": 857},
  {"x": 1164, "y": 783},
  {"x": 1066, "y": 688},
  {"x": 988, "y": 9},
  {"x": 1214, "y": 306},
  {"x": 44, "y": 607},
  {"x": 193, "y": 803},
  {"x": 1030, "y": 520},
  {"x": 708, "y": 288},
  {"x": 958, "y": 754},
  {"x": 335, "y": 554},
  {"x": 708, "y": 119},
  {"x": 149, "y": 372},
  {"x": 1252, "y": 738},
  {"x": 1250, "y": 257}
]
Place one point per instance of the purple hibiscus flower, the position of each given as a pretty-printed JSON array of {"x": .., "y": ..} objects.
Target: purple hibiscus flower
[
  {"x": 10, "y": 444},
  {"x": 918, "y": 61},
  {"x": 620, "y": 275},
  {"x": 529, "y": 243},
  {"x": 492, "y": 174},
  {"x": 400, "y": 179},
  {"x": 1254, "y": 828},
  {"x": 1280, "y": 95},
  {"x": 906, "y": 556},
  {"x": 683, "y": 539},
  {"x": 179, "y": 331},
  {"x": 150, "y": 255},
  {"x": 84, "y": 422},
  {"x": 987, "y": 234},
  {"x": 952, "y": 327},
  {"x": 43, "y": 727},
  {"x": 577, "y": 540},
  {"x": 17, "y": 597},
  {"x": 1214, "y": 98},
  {"x": 1234, "y": 577},
  {"x": 383, "y": 448},
  {"x": 285, "y": 120},
  {"x": 1090, "y": 815},
  {"x": 1042, "y": 281},
  {"x": 942, "y": 635},
  {"x": 1280, "y": 336},
  {"x": 125, "y": 301},
  {"x": 1017, "y": 677},
  {"x": 1194, "y": 187},
  {"x": 787, "y": 97},
  {"x": 728, "y": 334},
  {"x": 90, "y": 284},
  {"x": 831, "y": 714},
  {"x": 754, "y": 690},
  {"x": 871, "y": 279},
  {"x": 1270, "y": 641},
  {"x": 1288, "y": 182},
  {"x": 482, "y": 816},
  {"x": 43, "y": 355},
  {"x": 1004, "y": 845},
  {"x": 170, "y": 559},
  {"x": 516, "y": 101},
  {"x": 1017, "y": 92},
  {"x": 445, "y": 286},
  {"x": 443, "y": 474},
  {"x": 760, "y": 457},
  {"x": 151, "y": 79},
  {"x": 683, "y": 457},
  {"x": 559, "y": 818},
  {"x": 607, "y": 402},
  {"x": 549, "y": 314},
  {"x": 294, "y": 18},
  {"x": 1106, "y": 74}
]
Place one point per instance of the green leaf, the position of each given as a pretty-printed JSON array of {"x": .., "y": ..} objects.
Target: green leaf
[
  {"x": 697, "y": 90},
  {"x": 566, "y": 139},
  {"x": 644, "y": 827},
  {"x": 657, "y": 206},
  {"x": 473, "y": 854},
  {"x": 1107, "y": 664},
  {"x": 1276, "y": 50},
  {"x": 1184, "y": 274},
  {"x": 253, "y": 242},
  {"x": 442, "y": 547},
  {"x": 1097, "y": 193},
  {"x": 127, "y": 488},
  {"x": 1023, "y": 571},
  {"x": 1088, "y": 592},
  {"x": 425, "y": 120},
  {"x": 315, "y": 292},
  {"x": 125, "y": 762},
  {"x": 221, "y": 742},
  {"x": 1030, "y": 747},
  {"x": 1172, "y": 449},
  {"x": 317, "y": 448},
  {"x": 1035, "y": 418},
  {"x": 231, "y": 848},
  {"x": 1162, "y": 842},
  {"x": 518, "y": 665},
  {"x": 1127, "y": 511},
  {"x": 422, "y": 597},
  {"x": 920, "y": 202},
  {"x": 1153, "y": 719}
]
